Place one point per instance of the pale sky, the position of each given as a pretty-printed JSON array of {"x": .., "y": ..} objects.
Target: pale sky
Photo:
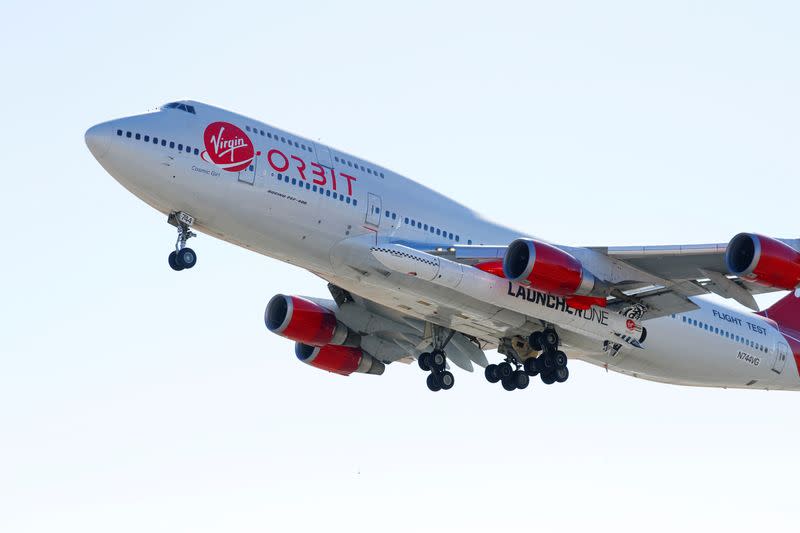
[{"x": 134, "y": 398}]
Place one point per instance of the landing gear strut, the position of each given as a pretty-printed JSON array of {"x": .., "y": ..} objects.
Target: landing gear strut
[
  {"x": 435, "y": 362},
  {"x": 515, "y": 372},
  {"x": 182, "y": 257},
  {"x": 509, "y": 373},
  {"x": 551, "y": 365}
]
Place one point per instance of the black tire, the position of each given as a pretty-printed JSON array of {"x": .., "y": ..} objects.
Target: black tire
[
  {"x": 561, "y": 359},
  {"x": 504, "y": 370},
  {"x": 492, "y": 376},
  {"x": 550, "y": 339},
  {"x": 447, "y": 380},
  {"x": 508, "y": 383},
  {"x": 562, "y": 374},
  {"x": 535, "y": 341},
  {"x": 173, "y": 262},
  {"x": 438, "y": 360},
  {"x": 424, "y": 361},
  {"x": 531, "y": 366},
  {"x": 521, "y": 379},
  {"x": 548, "y": 378},
  {"x": 546, "y": 363},
  {"x": 433, "y": 383},
  {"x": 186, "y": 258}
]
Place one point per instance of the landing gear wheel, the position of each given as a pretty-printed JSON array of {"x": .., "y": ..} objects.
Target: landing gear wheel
[
  {"x": 546, "y": 363},
  {"x": 504, "y": 370},
  {"x": 186, "y": 258},
  {"x": 492, "y": 374},
  {"x": 560, "y": 359},
  {"x": 446, "y": 380},
  {"x": 433, "y": 383},
  {"x": 548, "y": 378},
  {"x": 437, "y": 360},
  {"x": 562, "y": 374},
  {"x": 508, "y": 383},
  {"x": 424, "y": 361},
  {"x": 535, "y": 341},
  {"x": 173, "y": 262},
  {"x": 550, "y": 339},
  {"x": 521, "y": 379},
  {"x": 530, "y": 366}
]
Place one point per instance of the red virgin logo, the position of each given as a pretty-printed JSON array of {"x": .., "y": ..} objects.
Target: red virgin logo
[
  {"x": 227, "y": 146},
  {"x": 630, "y": 324}
]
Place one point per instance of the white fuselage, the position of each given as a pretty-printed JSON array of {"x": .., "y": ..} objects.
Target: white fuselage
[{"x": 319, "y": 208}]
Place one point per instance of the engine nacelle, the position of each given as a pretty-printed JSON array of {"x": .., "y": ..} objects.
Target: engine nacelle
[
  {"x": 302, "y": 320},
  {"x": 342, "y": 360},
  {"x": 768, "y": 262},
  {"x": 547, "y": 268}
]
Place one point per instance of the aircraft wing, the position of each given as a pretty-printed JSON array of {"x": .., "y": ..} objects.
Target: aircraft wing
[
  {"x": 393, "y": 336},
  {"x": 661, "y": 278}
]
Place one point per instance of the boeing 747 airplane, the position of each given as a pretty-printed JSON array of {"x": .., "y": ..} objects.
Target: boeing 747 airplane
[{"x": 414, "y": 275}]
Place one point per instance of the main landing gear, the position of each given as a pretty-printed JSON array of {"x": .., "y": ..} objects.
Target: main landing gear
[
  {"x": 550, "y": 365},
  {"x": 182, "y": 257},
  {"x": 435, "y": 362}
]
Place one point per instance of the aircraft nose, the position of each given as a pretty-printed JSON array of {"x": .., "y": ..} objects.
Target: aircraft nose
[{"x": 98, "y": 139}]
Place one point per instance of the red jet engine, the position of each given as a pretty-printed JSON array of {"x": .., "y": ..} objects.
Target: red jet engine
[
  {"x": 547, "y": 268},
  {"x": 342, "y": 360},
  {"x": 302, "y": 320},
  {"x": 763, "y": 260}
]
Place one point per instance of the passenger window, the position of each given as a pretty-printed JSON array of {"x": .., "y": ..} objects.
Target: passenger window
[
  {"x": 163, "y": 142},
  {"x": 180, "y": 147},
  {"x": 172, "y": 144},
  {"x": 147, "y": 138},
  {"x": 348, "y": 199},
  {"x": 155, "y": 140},
  {"x": 128, "y": 134},
  {"x": 196, "y": 151},
  {"x": 138, "y": 136},
  {"x": 438, "y": 231},
  {"x": 327, "y": 192},
  {"x": 119, "y": 133},
  {"x": 355, "y": 202}
]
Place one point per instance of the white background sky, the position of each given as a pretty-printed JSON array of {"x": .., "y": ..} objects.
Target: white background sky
[{"x": 134, "y": 399}]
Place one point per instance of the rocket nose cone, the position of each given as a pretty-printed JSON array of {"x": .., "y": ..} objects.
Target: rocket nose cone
[{"x": 98, "y": 139}]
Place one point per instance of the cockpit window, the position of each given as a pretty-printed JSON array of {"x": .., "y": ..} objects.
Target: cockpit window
[{"x": 182, "y": 107}]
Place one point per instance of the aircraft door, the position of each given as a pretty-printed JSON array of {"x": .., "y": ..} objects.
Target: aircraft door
[
  {"x": 373, "y": 210},
  {"x": 248, "y": 175},
  {"x": 780, "y": 360},
  {"x": 323, "y": 155}
]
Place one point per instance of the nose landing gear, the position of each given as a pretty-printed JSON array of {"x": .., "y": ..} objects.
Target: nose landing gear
[{"x": 183, "y": 257}]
